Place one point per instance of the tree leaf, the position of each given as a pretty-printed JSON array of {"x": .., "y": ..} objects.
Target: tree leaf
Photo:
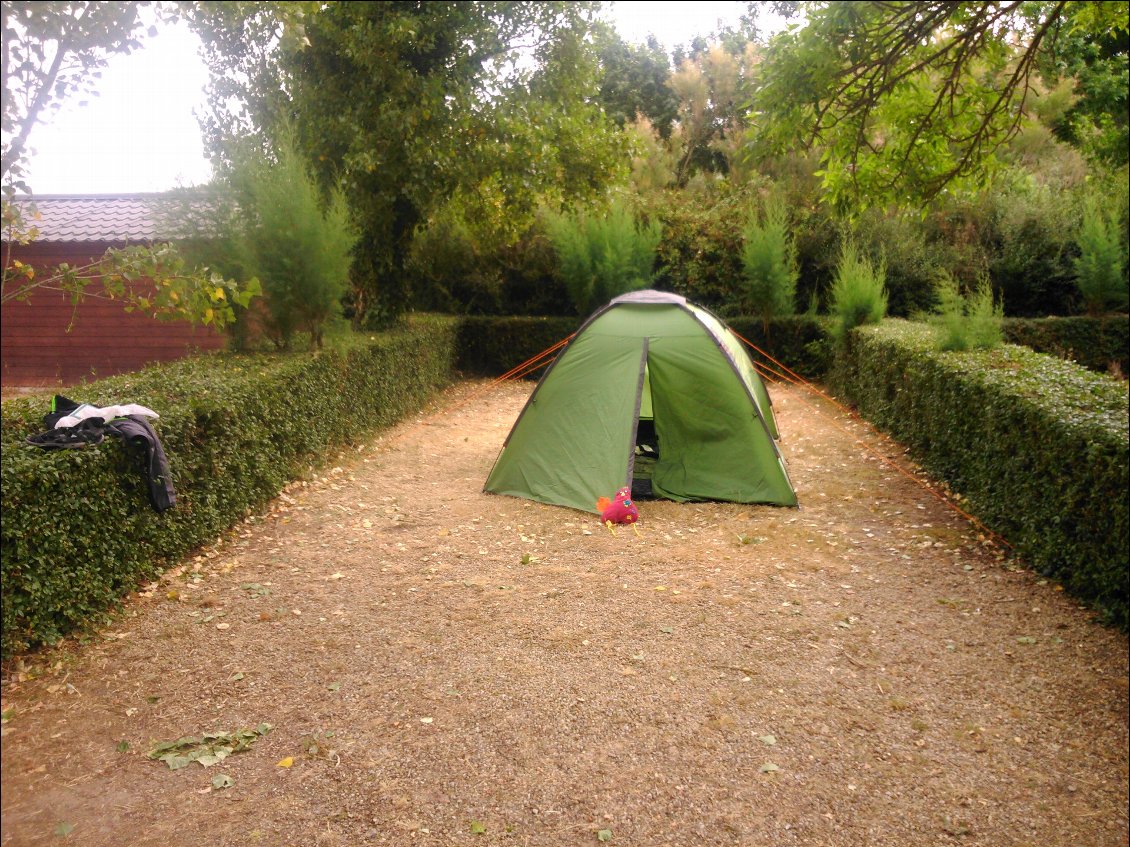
[
  {"x": 221, "y": 781},
  {"x": 604, "y": 835}
]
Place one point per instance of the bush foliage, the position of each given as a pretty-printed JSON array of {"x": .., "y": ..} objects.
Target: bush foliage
[
  {"x": 78, "y": 531},
  {"x": 859, "y": 291},
  {"x": 1100, "y": 268},
  {"x": 769, "y": 261},
  {"x": 967, "y": 321},
  {"x": 601, "y": 256},
  {"x": 1100, "y": 344},
  {"x": 1037, "y": 445}
]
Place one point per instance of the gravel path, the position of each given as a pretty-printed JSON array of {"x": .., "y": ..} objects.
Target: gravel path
[{"x": 444, "y": 667}]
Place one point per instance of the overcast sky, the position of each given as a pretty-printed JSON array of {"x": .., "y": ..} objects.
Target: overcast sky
[{"x": 140, "y": 134}]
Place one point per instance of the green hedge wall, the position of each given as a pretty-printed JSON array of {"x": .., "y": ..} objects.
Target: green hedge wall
[
  {"x": 1092, "y": 342},
  {"x": 78, "y": 531},
  {"x": 490, "y": 346},
  {"x": 1038, "y": 445},
  {"x": 801, "y": 342}
]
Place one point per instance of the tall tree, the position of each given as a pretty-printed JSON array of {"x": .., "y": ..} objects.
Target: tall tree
[
  {"x": 399, "y": 101},
  {"x": 906, "y": 98},
  {"x": 634, "y": 81},
  {"x": 711, "y": 85},
  {"x": 1095, "y": 60},
  {"x": 244, "y": 45}
]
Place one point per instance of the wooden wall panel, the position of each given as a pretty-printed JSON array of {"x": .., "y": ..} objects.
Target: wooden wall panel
[{"x": 36, "y": 349}]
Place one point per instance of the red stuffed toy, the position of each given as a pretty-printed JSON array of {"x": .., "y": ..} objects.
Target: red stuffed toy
[{"x": 619, "y": 510}]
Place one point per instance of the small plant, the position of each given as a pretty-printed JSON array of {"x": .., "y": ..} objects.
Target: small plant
[
  {"x": 1100, "y": 269},
  {"x": 770, "y": 263},
  {"x": 985, "y": 314},
  {"x": 859, "y": 293},
  {"x": 603, "y": 256},
  {"x": 301, "y": 247},
  {"x": 970, "y": 322}
]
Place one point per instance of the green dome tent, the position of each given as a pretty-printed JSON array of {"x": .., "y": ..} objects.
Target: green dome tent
[{"x": 650, "y": 389}]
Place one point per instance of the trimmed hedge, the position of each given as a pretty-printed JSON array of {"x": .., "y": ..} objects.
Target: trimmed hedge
[
  {"x": 491, "y": 346},
  {"x": 1092, "y": 342},
  {"x": 800, "y": 342},
  {"x": 1037, "y": 445},
  {"x": 78, "y": 532}
]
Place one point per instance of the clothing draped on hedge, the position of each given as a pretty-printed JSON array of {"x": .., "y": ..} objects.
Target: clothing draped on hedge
[{"x": 73, "y": 425}]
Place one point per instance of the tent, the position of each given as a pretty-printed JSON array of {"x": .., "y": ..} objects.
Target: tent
[{"x": 651, "y": 392}]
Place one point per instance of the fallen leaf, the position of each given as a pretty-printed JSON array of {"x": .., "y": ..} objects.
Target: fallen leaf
[
  {"x": 64, "y": 829},
  {"x": 221, "y": 781},
  {"x": 604, "y": 835},
  {"x": 286, "y": 763},
  {"x": 478, "y": 828},
  {"x": 769, "y": 767},
  {"x": 207, "y": 749},
  {"x": 122, "y": 746},
  {"x": 767, "y": 739}
]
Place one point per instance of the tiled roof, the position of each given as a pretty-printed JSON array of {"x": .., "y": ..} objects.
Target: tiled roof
[{"x": 95, "y": 217}]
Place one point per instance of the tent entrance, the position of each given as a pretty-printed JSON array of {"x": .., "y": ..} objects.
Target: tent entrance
[
  {"x": 646, "y": 455},
  {"x": 646, "y": 443}
]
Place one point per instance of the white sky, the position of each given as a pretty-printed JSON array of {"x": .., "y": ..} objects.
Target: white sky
[{"x": 140, "y": 134}]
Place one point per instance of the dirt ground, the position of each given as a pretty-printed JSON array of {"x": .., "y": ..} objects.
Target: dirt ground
[{"x": 444, "y": 667}]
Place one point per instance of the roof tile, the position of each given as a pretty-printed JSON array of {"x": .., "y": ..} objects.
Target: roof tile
[{"x": 96, "y": 217}]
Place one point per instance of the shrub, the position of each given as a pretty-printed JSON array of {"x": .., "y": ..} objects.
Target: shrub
[
  {"x": 1036, "y": 446},
  {"x": 859, "y": 295},
  {"x": 911, "y": 259},
  {"x": 449, "y": 273},
  {"x": 800, "y": 342},
  {"x": 602, "y": 256},
  {"x": 78, "y": 531},
  {"x": 699, "y": 255},
  {"x": 970, "y": 322},
  {"x": 266, "y": 219},
  {"x": 1101, "y": 344},
  {"x": 1100, "y": 268},
  {"x": 769, "y": 261},
  {"x": 491, "y": 346},
  {"x": 1028, "y": 231},
  {"x": 298, "y": 247}
]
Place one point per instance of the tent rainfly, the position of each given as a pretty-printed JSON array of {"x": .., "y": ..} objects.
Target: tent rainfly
[{"x": 652, "y": 392}]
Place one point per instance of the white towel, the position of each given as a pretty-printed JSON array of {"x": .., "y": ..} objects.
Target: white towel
[{"x": 106, "y": 413}]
